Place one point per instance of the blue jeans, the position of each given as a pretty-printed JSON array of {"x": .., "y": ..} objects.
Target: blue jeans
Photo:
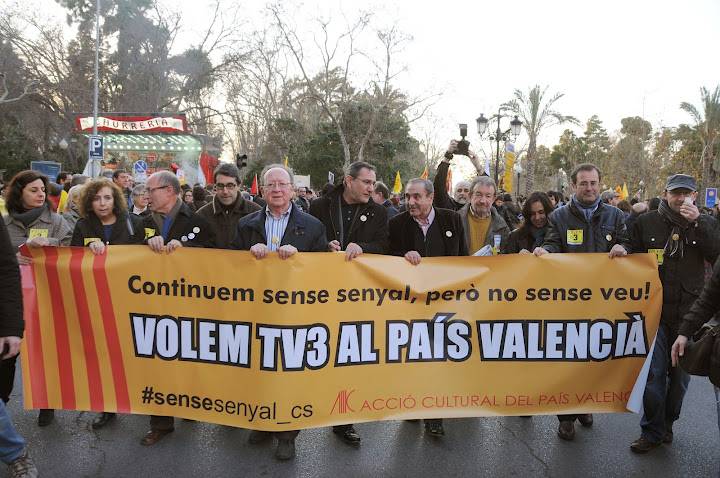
[
  {"x": 664, "y": 391},
  {"x": 11, "y": 443}
]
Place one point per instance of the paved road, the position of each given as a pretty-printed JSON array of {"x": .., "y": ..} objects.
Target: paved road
[{"x": 505, "y": 446}]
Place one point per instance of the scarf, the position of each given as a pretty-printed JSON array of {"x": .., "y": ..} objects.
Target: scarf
[
  {"x": 538, "y": 236},
  {"x": 30, "y": 216},
  {"x": 160, "y": 219},
  {"x": 586, "y": 209},
  {"x": 680, "y": 225}
]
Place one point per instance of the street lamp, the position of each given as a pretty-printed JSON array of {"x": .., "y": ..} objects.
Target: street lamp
[
  {"x": 499, "y": 134},
  {"x": 562, "y": 179},
  {"x": 518, "y": 169}
]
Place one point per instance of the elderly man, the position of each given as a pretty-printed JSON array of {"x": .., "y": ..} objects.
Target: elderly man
[
  {"x": 425, "y": 231},
  {"x": 461, "y": 191},
  {"x": 355, "y": 224},
  {"x": 682, "y": 239},
  {"x": 170, "y": 226},
  {"x": 586, "y": 224},
  {"x": 483, "y": 225},
  {"x": 227, "y": 206},
  {"x": 284, "y": 229}
]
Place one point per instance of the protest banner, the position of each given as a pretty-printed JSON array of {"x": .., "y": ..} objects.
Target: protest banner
[{"x": 316, "y": 340}]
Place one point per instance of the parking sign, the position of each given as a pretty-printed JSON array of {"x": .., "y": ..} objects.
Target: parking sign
[{"x": 95, "y": 147}]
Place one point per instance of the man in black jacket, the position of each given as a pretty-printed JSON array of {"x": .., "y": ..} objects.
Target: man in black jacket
[
  {"x": 283, "y": 228},
  {"x": 682, "y": 240},
  {"x": 425, "y": 231},
  {"x": 227, "y": 206},
  {"x": 585, "y": 225},
  {"x": 171, "y": 225},
  {"x": 353, "y": 221},
  {"x": 11, "y": 331}
]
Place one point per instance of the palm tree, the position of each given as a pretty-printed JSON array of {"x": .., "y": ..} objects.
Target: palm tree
[
  {"x": 707, "y": 126},
  {"x": 536, "y": 115}
]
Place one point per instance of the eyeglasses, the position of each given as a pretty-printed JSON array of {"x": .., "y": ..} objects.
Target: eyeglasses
[
  {"x": 152, "y": 190},
  {"x": 278, "y": 185},
  {"x": 228, "y": 186}
]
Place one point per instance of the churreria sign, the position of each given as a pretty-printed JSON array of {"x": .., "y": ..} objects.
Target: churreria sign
[{"x": 442, "y": 338}]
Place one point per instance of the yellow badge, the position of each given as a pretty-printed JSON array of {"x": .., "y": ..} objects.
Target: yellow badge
[
  {"x": 149, "y": 232},
  {"x": 575, "y": 237},
  {"x": 37, "y": 233},
  {"x": 275, "y": 240},
  {"x": 88, "y": 240},
  {"x": 659, "y": 253}
]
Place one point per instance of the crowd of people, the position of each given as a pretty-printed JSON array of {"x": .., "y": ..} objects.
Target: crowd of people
[{"x": 359, "y": 216}]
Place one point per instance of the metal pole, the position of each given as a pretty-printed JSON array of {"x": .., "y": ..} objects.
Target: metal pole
[{"x": 95, "y": 173}]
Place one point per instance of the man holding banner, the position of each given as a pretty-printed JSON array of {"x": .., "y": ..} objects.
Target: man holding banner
[
  {"x": 682, "y": 239},
  {"x": 585, "y": 225},
  {"x": 483, "y": 224},
  {"x": 171, "y": 225},
  {"x": 424, "y": 231},
  {"x": 283, "y": 228}
]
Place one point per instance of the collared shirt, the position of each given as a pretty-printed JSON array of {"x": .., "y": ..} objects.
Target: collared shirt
[
  {"x": 425, "y": 224},
  {"x": 275, "y": 227},
  {"x": 136, "y": 210}
]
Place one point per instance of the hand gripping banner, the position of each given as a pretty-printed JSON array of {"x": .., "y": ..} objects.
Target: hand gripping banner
[{"x": 314, "y": 340}]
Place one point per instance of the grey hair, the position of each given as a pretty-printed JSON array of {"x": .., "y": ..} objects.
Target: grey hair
[
  {"x": 426, "y": 183},
  {"x": 139, "y": 190},
  {"x": 277, "y": 166},
  {"x": 482, "y": 181},
  {"x": 463, "y": 183},
  {"x": 355, "y": 168},
  {"x": 166, "y": 178}
]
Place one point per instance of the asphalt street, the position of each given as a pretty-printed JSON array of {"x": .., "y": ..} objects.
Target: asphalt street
[{"x": 506, "y": 446}]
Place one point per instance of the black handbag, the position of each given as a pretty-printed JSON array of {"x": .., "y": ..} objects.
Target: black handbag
[{"x": 702, "y": 352}]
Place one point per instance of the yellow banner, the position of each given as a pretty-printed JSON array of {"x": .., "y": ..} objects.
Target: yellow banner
[{"x": 315, "y": 340}]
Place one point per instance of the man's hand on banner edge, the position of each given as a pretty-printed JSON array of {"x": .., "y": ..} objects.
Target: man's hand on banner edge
[
  {"x": 259, "y": 250},
  {"x": 334, "y": 246},
  {"x": 156, "y": 244},
  {"x": 172, "y": 245},
  {"x": 678, "y": 349},
  {"x": 352, "y": 251},
  {"x": 413, "y": 257},
  {"x": 286, "y": 251},
  {"x": 539, "y": 251},
  {"x": 617, "y": 251},
  {"x": 12, "y": 344}
]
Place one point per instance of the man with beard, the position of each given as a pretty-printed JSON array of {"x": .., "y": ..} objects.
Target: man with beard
[
  {"x": 461, "y": 192},
  {"x": 426, "y": 231},
  {"x": 227, "y": 206},
  {"x": 585, "y": 225},
  {"x": 682, "y": 239},
  {"x": 482, "y": 224}
]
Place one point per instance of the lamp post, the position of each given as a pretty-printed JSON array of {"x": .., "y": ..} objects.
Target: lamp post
[
  {"x": 518, "y": 169},
  {"x": 499, "y": 134},
  {"x": 562, "y": 179}
]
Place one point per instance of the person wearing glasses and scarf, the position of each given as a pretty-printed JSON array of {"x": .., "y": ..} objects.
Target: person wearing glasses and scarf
[{"x": 682, "y": 239}]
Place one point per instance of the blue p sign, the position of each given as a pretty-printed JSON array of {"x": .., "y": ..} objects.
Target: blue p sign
[{"x": 95, "y": 147}]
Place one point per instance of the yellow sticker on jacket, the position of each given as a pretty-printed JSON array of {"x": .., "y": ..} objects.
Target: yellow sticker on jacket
[
  {"x": 659, "y": 253},
  {"x": 575, "y": 237},
  {"x": 88, "y": 240},
  {"x": 37, "y": 233},
  {"x": 149, "y": 232}
]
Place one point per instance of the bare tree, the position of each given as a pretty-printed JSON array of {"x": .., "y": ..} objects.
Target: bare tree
[{"x": 27, "y": 90}]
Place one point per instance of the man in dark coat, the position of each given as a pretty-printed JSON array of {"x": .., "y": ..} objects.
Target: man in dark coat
[
  {"x": 353, "y": 221},
  {"x": 227, "y": 206},
  {"x": 381, "y": 195},
  {"x": 283, "y": 228},
  {"x": 585, "y": 225},
  {"x": 426, "y": 231},
  {"x": 682, "y": 239},
  {"x": 171, "y": 225}
]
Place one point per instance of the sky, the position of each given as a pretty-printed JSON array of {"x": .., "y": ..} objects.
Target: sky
[{"x": 611, "y": 58}]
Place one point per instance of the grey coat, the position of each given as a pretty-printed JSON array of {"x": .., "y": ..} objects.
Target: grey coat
[{"x": 58, "y": 230}]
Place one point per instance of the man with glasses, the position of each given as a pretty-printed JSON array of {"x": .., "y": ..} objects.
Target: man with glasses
[
  {"x": 227, "y": 206},
  {"x": 170, "y": 226},
  {"x": 483, "y": 225},
  {"x": 281, "y": 228}
]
